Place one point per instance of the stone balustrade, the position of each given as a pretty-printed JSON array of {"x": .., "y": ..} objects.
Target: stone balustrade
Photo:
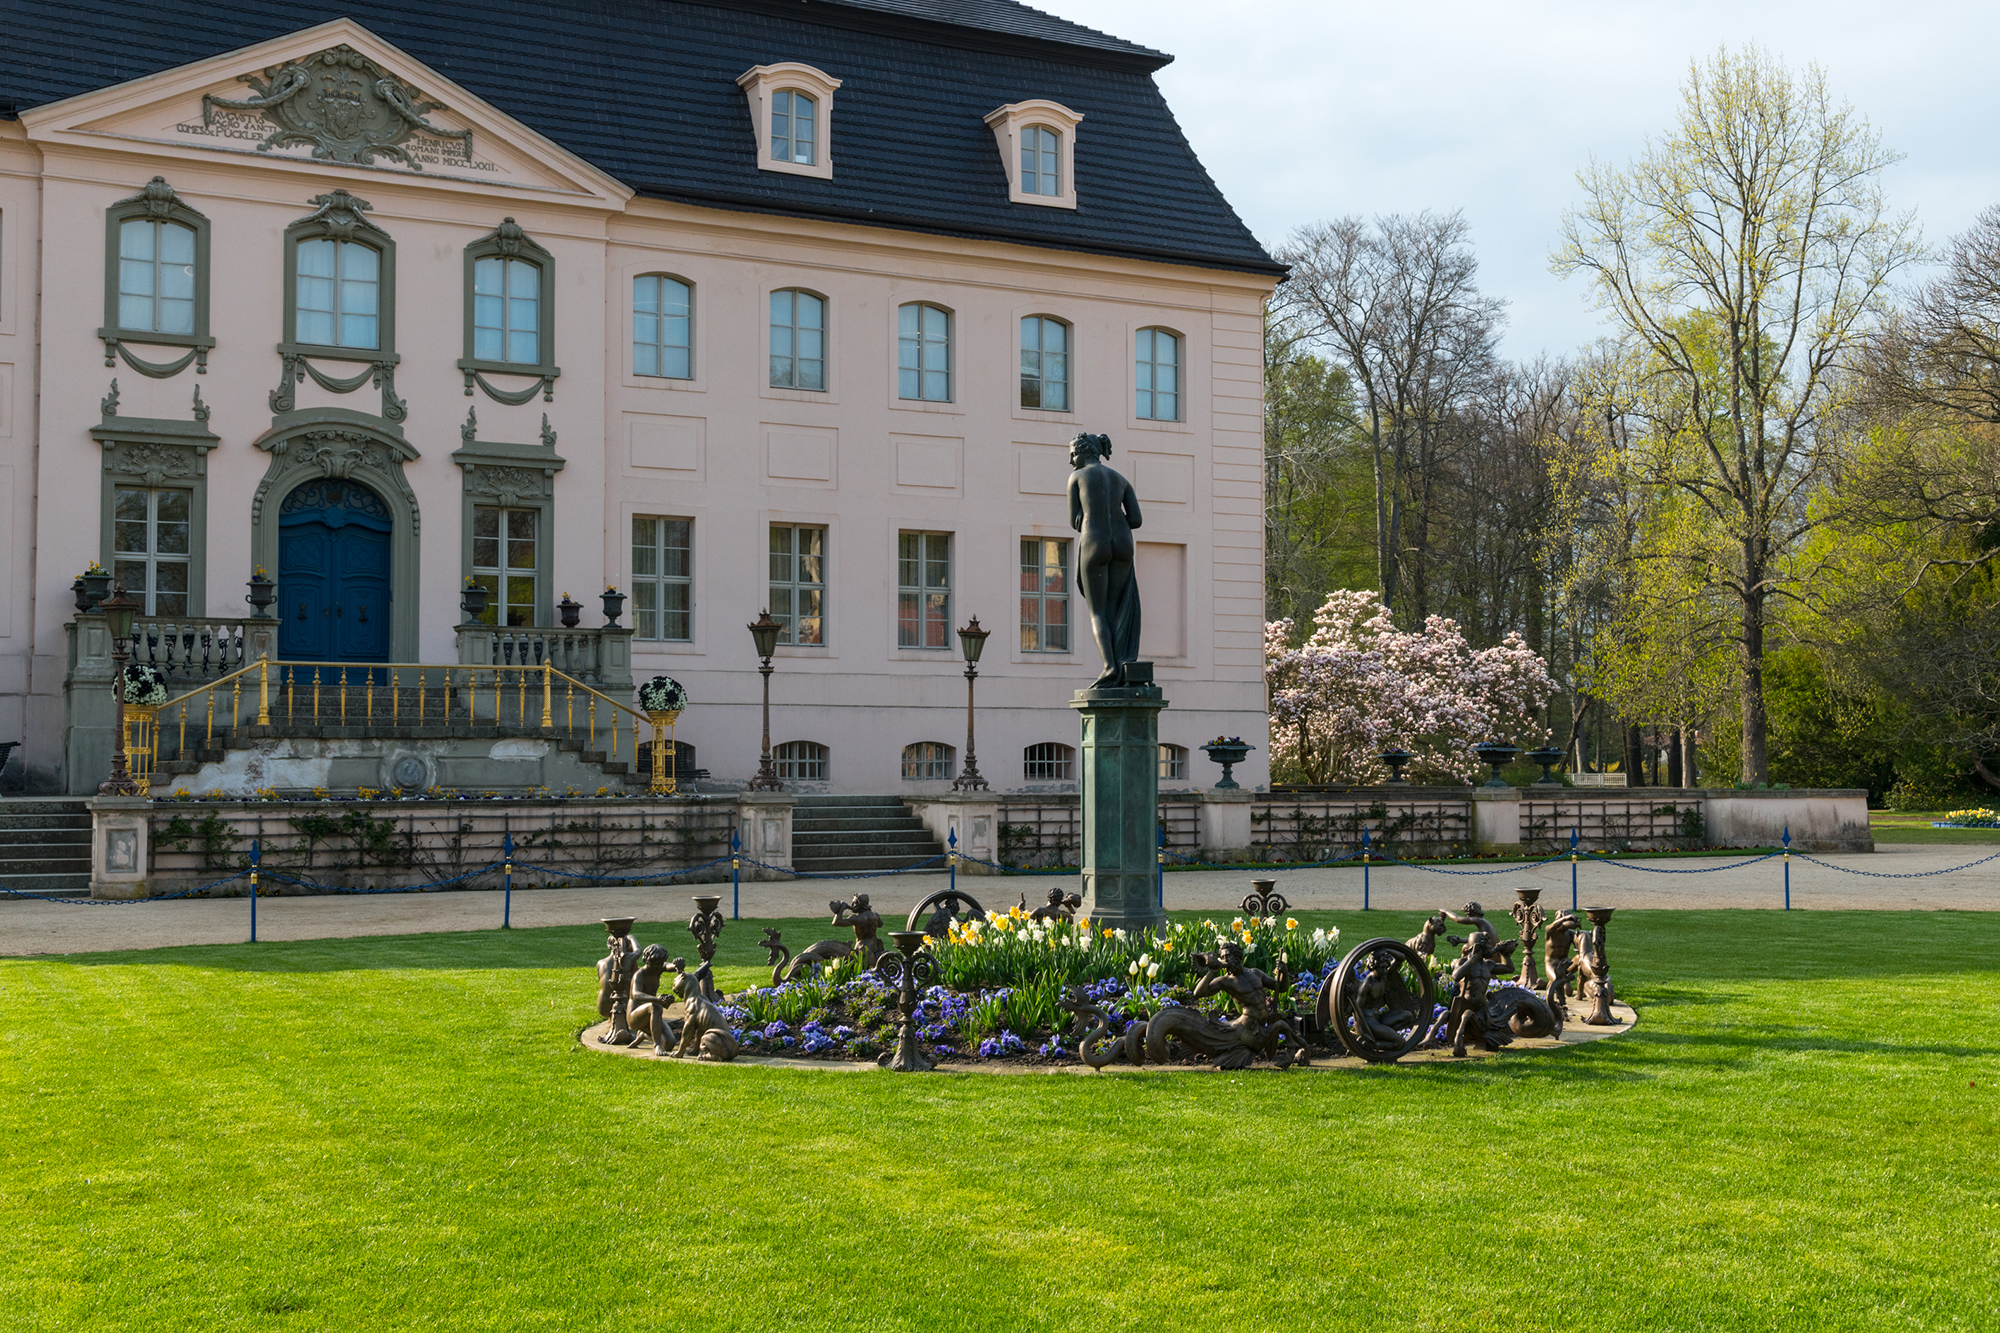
[{"x": 601, "y": 658}]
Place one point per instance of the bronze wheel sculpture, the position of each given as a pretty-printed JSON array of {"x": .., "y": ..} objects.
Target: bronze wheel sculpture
[
  {"x": 1380, "y": 1001},
  {"x": 943, "y": 907}
]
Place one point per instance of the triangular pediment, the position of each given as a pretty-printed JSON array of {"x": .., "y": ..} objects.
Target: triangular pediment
[{"x": 333, "y": 95}]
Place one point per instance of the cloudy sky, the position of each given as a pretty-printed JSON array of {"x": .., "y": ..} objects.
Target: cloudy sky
[{"x": 1311, "y": 109}]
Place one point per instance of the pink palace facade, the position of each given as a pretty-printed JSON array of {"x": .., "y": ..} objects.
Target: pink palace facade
[{"x": 802, "y": 320}]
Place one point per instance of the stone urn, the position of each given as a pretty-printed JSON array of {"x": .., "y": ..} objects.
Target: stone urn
[
  {"x": 1229, "y": 751},
  {"x": 570, "y": 610},
  {"x": 263, "y": 592},
  {"x": 1548, "y": 757},
  {"x": 614, "y": 607},
  {"x": 472, "y": 602},
  {"x": 1397, "y": 759},
  {"x": 1496, "y": 755}
]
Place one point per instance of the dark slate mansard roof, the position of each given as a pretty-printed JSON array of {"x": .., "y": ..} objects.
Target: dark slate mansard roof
[{"x": 646, "y": 91}]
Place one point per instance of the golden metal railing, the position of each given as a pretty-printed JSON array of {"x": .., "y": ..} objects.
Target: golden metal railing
[{"x": 299, "y": 695}]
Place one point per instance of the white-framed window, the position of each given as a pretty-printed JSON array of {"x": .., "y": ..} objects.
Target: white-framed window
[
  {"x": 800, "y": 761},
  {"x": 506, "y": 310},
  {"x": 663, "y": 578},
  {"x": 794, "y": 127},
  {"x": 155, "y": 276},
  {"x": 1048, "y": 761},
  {"x": 1045, "y": 363},
  {"x": 1041, "y": 160},
  {"x": 1157, "y": 375},
  {"x": 923, "y": 352},
  {"x": 923, "y": 590},
  {"x": 339, "y": 293},
  {"x": 505, "y": 551},
  {"x": 798, "y": 582},
  {"x": 798, "y": 340},
  {"x": 150, "y": 532},
  {"x": 928, "y": 761},
  {"x": 662, "y": 327},
  {"x": 1045, "y": 594},
  {"x": 1173, "y": 762}
]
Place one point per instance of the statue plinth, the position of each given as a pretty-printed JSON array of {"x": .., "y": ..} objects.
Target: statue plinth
[{"x": 1119, "y": 776}]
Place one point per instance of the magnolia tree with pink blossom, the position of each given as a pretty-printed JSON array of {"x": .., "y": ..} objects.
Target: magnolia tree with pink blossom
[{"x": 1359, "y": 686}]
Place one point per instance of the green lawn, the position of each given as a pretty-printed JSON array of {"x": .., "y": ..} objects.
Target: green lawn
[
  {"x": 402, "y": 1133},
  {"x": 1915, "y": 826}
]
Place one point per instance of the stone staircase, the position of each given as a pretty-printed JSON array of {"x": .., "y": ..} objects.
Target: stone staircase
[
  {"x": 841, "y": 834},
  {"x": 44, "y": 846}
]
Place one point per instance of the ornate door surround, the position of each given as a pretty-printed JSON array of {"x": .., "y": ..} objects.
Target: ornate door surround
[{"x": 331, "y": 442}]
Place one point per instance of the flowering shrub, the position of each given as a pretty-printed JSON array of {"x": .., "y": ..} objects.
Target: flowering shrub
[
  {"x": 144, "y": 685},
  {"x": 662, "y": 694},
  {"x": 1358, "y": 685}
]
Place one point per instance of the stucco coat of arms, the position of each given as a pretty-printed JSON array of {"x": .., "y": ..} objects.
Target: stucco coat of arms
[{"x": 342, "y": 105}]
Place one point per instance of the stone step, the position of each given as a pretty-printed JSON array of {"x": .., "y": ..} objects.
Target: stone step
[
  {"x": 842, "y": 865},
  {"x": 52, "y": 826},
  {"x": 71, "y": 885},
  {"x": 906, "y": 823},
  {"x": 79, "y": 863},
  {"x": 862, "y": 838},
  {"x": 38, "y": 842},
  {"x": 14, "y": 806}
]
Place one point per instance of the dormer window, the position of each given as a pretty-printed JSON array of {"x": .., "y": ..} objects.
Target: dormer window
[
  {"x": 1038, "y": 151},
  {"x": 791, "y": 117}
]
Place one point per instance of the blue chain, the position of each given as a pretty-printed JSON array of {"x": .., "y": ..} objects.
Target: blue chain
[
  {"x": 73, "y": 901},
  {"x": 1888, "y": 874}
]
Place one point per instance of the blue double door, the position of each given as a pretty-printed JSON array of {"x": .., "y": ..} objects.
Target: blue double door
[{"x": 333, "y": 573}]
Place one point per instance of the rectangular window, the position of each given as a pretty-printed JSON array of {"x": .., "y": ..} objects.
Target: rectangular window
[
  {"x": 662, "y": 578},
  {"x": 1045, "y": 364},
  {"x": 928, "y": 761},
  {"x": 923, "y": 590},
  {"x": 339, "y": 286},
  {"x": 923, "y": 349},
  {"x": 798, "y": 582},
  {"x": 506, "y": 310},
  {"x": 149, "y": 545},
  {"x": 1173, "y": 762},
  {"x": 1041, "y": 158},
  {"x": 792, "y": 126},
  {"x": 1158, "y": 375},
  {"x": 1044, "y": 594},
  {"x": 1050, "y": 761},
  {"x": 504, "y": 562},
  {"x": 798, "y": 341},
  {"x": 155, "y": 276},
  {"x": 662, "y": 329}
]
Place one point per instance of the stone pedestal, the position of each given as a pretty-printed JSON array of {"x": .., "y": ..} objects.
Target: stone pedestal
[
  {"x": 120, "y": 827},
  {"x": 1496, "y": 818},
  {"x": 973, "y": 816},
  {"x": 1119, "y": 778},
  {"x": 1225, "y": 825},
  {"x": 764, "y": 821}
]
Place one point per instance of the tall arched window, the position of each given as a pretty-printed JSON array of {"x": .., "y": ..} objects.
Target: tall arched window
[
  {"x": 1045, "y": 363},
  {"x": 1041, "y": 160},
  {"x": 156, "y": 280},
  {"x": 339, "y": 294},
  {"x": 510, "y": 297},
  {"x": 798, "y": 341},
  {"x": 1157, "y": 375},
  {"x": 800, "y": 761},
  {"x": 928, "y": 761},
  {"x": 923, "y": 351},
  {"x": 662, "y": 327},
  {"x": 794, "y": 127}
]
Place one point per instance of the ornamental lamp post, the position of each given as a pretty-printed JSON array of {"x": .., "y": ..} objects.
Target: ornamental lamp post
[
  {"x": 118, "y": 611},
  {"x": 973, "y": 640},
  {"x": 764, "y": 633}
]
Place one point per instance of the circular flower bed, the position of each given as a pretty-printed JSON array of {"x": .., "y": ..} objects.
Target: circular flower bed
[{"x": 1002, "y": 980}]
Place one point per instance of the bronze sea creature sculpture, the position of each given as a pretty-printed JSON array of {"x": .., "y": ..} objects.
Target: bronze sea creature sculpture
[
  {"x": 944, "y": 907},
  {"x": 1558, "y": 944},
  {"x": 1060, "y": 907},
  {"x": 1380, "y": 1001},
  {"x": 857, "y": 916},
  {"x": 1257, "y": 1030}
]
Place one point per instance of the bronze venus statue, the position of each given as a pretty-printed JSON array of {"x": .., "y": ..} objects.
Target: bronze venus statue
[{"x": 1104, "y": 508}]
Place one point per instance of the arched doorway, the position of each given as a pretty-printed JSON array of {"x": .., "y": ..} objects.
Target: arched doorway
[{"x": 334, "y": 569}]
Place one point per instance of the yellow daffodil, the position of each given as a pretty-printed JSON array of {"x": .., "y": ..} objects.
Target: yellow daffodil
[
  {"x": 1107, "y": 932},
  {"x": 1291, "y": 923},
  {"x": 1166, "y": 946}
]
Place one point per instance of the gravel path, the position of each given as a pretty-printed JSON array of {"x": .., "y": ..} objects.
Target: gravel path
[{"x": 29, "y": 927}]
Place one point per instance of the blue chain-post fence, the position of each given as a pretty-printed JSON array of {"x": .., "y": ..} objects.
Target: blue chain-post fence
[{"x": 1369, "y": 852}]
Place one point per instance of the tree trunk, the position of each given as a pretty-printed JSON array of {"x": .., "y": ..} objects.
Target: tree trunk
[
  {"x": 1688, "y": 762},
  {"x": 1756, "y": 738},
  {"x": 1635, "y": 756},
  {"x": 1676, "y": 774}
]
